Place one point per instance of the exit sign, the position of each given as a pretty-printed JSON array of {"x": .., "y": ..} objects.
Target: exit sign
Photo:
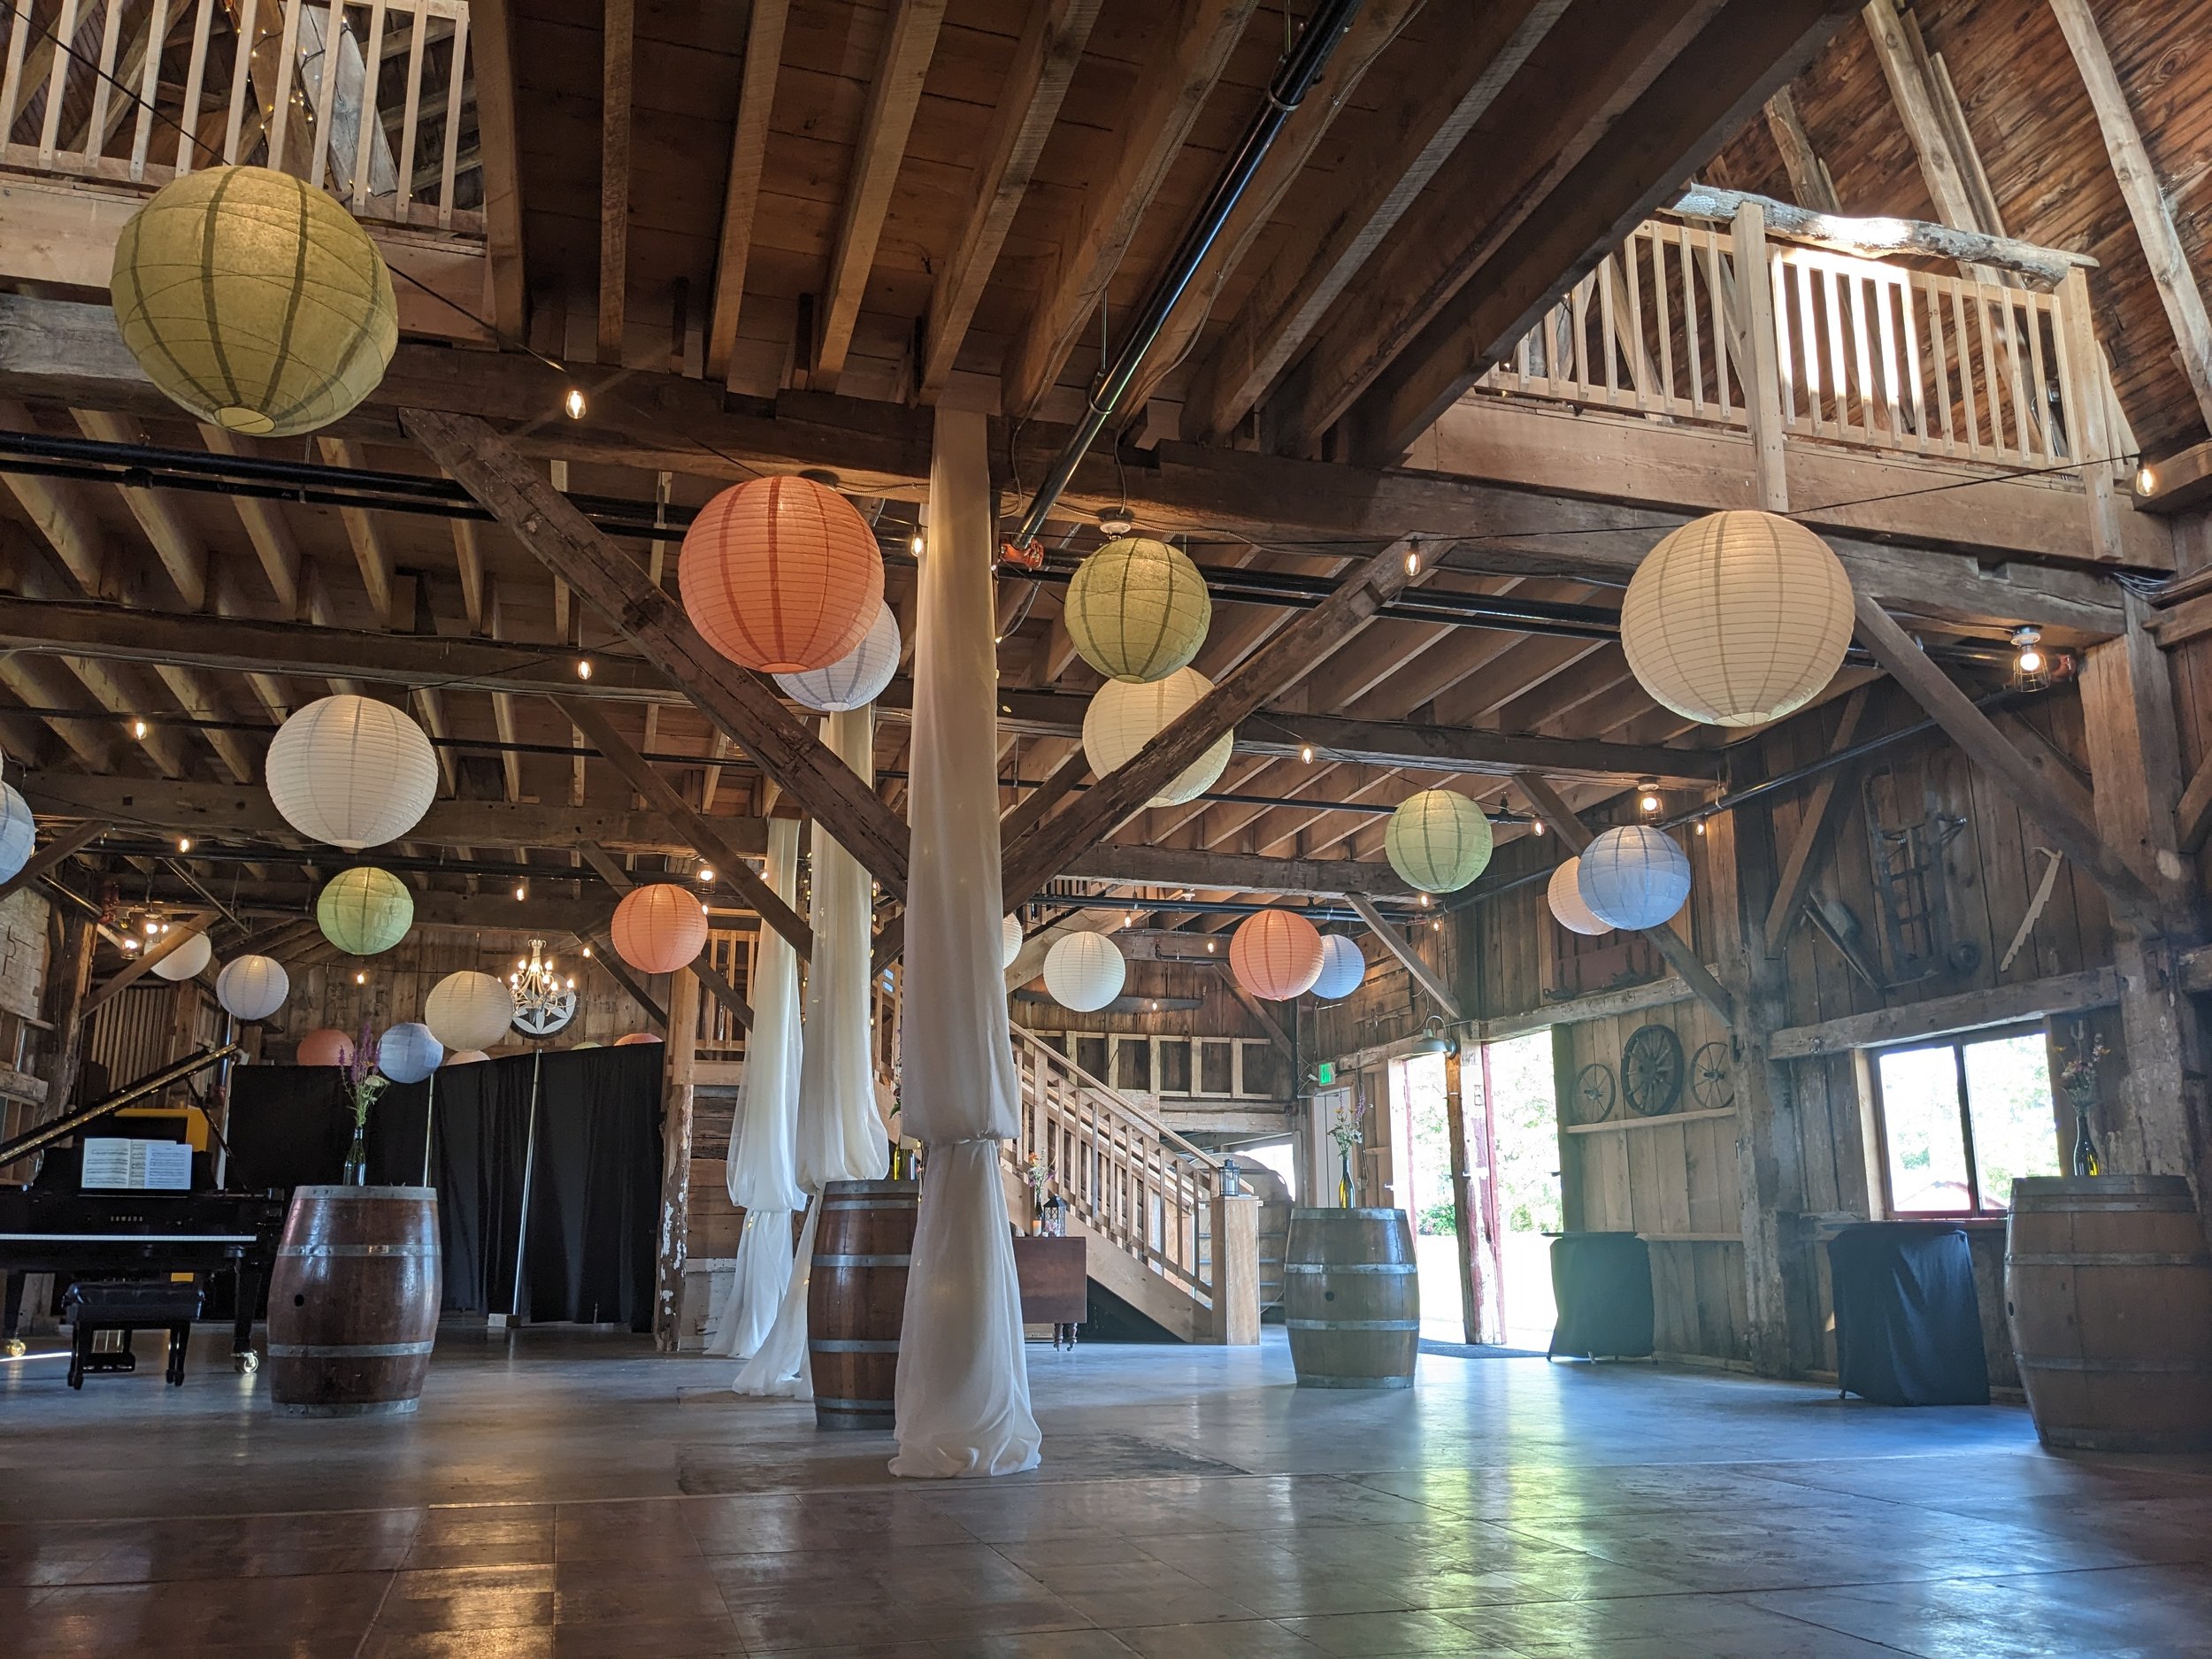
[{"x": 1328, "y": 1072}]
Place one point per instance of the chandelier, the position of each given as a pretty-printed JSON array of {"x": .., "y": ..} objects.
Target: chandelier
[{"x": 544, "y": 1002}]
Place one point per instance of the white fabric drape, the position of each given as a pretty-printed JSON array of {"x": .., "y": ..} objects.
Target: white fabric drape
[
  {"x": 760, "y": 1170},
  {"x": 781, "y": 1367},
  {"x": 964, "y": 1380}
]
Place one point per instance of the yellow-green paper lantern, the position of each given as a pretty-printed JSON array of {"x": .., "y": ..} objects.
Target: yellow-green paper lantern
[
  {"x": 1137, "y": 610},
  {"x": 254, "y": 300},
  {"x": 364, "y": 910},
  {"x": 1438, "y": 841}
]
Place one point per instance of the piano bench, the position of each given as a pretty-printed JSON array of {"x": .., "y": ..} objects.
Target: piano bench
[{"x": 128, "y": 1306}]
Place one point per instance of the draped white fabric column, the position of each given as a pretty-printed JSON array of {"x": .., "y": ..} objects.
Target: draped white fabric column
[
  {"x": 765, "y": 1137},
  {"x": 964, "y": 1380}
]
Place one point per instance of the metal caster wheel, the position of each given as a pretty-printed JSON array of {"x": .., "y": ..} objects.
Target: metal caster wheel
[
  {"x": 14, "y": 1347},
  {"x": 246, "y": 1363}
]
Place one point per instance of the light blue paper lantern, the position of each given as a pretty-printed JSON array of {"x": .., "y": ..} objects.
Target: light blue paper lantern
[
  {"x": 407, "y": 1053},
  {"x": 1635, "y": 876},
  {"x": 1343, "y": 967},
  {"x": 17, "y": 831}
]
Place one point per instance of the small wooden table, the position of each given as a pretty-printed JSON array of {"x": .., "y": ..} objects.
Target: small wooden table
[{"x": 1054, "y": 1283}]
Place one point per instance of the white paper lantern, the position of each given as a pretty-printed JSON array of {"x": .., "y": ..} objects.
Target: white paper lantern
[
  {"x": 855, "y": 680},
  {"x": 1010, "y": 940},
  {"x": 1125, "y": 715},
  {"x": 468, "y": 1010},
  {"x": 407, "y": 1053},
  {"x": 1635, "y": 876},
  {"x": 252, "y": 987},
  {"x": 17, "y": 831},
  {"x": 1736, "y": 618},
  {"x": 1343, "y": 968},
  {"x": 351, "y": 771},
  {"x": 1085, "y": 971},
  {"x": 187, "y": 959},
  {"x": 1565, "y": 895}
]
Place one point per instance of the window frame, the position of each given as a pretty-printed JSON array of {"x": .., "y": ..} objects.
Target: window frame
[{"x": 1958, "y": 1042}]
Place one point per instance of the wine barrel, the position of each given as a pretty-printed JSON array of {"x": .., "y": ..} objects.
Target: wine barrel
[
  {"x": 855, "y": 1300},
  {"x": 353, "y": 1302},
  {"x": 1352, "y": 1298},
  {"x": 2109, "y": 1291}
]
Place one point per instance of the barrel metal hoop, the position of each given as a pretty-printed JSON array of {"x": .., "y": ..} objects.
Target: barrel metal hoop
[
  {"x": 883, "y": 1201},
  {"x": 2145, "y": 1367},
  {"x": 1397, "y": 1268},
  {"x": 347, "y": 1350},
  {"x": 851, "y": 1345},
  {"x": 1353, "y": 1325},
  {"x": 308, "y": 1250},
  {"x": 2147, "y": 1258},
  {"x": 864, "y": 1261}
]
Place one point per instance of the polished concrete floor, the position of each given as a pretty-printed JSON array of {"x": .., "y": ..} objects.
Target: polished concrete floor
[{"x": 572, "y": 1496}]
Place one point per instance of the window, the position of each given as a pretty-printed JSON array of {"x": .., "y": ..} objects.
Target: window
[{"x": 1962, "y": 1121}]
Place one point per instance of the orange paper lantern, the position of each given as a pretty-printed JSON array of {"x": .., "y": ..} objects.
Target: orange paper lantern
[
  {"x": 658, "y": 929},
  {"x": 1277, "y": 955},
  {"x": 326, "y": 1047},
  {"x": 635, "y": 1040},
  {"x": 781, "y": 575}
]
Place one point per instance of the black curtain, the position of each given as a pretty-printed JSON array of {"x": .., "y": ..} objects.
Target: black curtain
[{"x": 594, "y": 1198}]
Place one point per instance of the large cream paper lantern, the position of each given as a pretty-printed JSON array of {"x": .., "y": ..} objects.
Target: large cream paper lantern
[
  {"x": 659, "y": 928},
  {"x": 1437, "y": 840},
  {"x": 1277, "y": 955},
  {"x": 351, "y": 771},
  {"x": 1137, "y": 609},
  {"x": 1085, "y": 971},
  {"x": 325, "y": 1045},
  {"x": 1563, "y": 894},
  {"x": 407, "y": 1053},
  {"x": 254, "y": 301},
  {"x": 781, "y": 575},
  {"x": 1125, "y": 715},
  {"x": 252, "y": 987},
  {"x": 467, "y": 1010},
  {"x": 1736, "y": 618},
  {"x": 187, "y": 960},
  {"x": 364, "y": 910},
  {"x": 1010, "y": 940},
  {"x": 855, "y": 680},
  {"x": 18, "y": 831},
  {"x": 1635, "y": 876},
  {"x": 1343, "y": 968}
]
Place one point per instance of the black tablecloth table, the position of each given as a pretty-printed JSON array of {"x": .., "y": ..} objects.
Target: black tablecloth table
[
  {"x": 1602, "y": 1282},
  {"x": 1909, "y": 1323}
]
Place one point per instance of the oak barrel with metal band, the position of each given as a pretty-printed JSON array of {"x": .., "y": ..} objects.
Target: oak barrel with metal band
[
  {"x": 2109, "y": 1291},
  {"x": 353, "y": 1301},
  {"x": 855, "y": 1300},
  {"x": 1352, "y": 1298}
]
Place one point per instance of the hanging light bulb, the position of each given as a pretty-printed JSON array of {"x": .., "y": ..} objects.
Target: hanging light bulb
[
  {"x": 521, "y": 891},
  {"x": 1210, "y": 947},
  {"x": 1700, "y": 826},
  {"x": 2146, "y": 480},
  {"x": 138, "y": 729},
  {"x": 2031, "y": 664},
  {"x": 360, "y": 979},
  {"x": 184, "y": 843},
  {"x": 1536, "y": 826},
  {"x": 1647, "y": 802},
  {"x": 587, "y": 953},
  {"x": 706, "y": 874},
  {"x": 152, "y": 928},
  {"x": 164, "y": 927},
  {"x": 1424, "y": 900},
  {"x": 130, "y": 942},
  {"x": 918, "y": 542},
  {"x": 1305, "y": 753},
  {"x": 1413, "y": 562},
  {"x": 574, "y": 403},
  {"x": 583, "y": 668}
]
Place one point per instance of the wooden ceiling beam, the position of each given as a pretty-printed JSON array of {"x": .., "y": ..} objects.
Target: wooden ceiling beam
[
  {"x": 183, "y": 558},
  {"x": 136, "y": 969},
  {"x": 1401, "y": 947},
  {"x": 57, "y": 851},
  {"x": 740, "y": 196},
  {"x": 618, "y": 38},
  {"x": 491, "y": 54}
]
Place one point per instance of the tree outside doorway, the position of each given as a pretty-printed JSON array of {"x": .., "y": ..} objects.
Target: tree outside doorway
[{"x": 1524, "y": 1118}]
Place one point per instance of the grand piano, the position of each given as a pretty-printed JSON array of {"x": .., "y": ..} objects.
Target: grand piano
[{"x": 51, "y": 1227}]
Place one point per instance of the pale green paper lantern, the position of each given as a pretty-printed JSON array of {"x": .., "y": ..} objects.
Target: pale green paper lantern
[
  {"x": 1438, "y": 841},
  {"x": 254, "y": 301},
  {"x": 1137, "y": 610},
  {"x": 364, "y": 910}
]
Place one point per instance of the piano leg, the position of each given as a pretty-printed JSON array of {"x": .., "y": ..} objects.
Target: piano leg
[
  {"x": 247, "y": 1282},
  {"x": 11, "y": 1318}
]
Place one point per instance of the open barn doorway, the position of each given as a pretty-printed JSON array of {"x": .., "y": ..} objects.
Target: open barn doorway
[{"x": 1520, "y": 1102}]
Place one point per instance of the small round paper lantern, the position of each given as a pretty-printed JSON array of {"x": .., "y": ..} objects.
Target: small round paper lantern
[
  {"x": 186, "y": 960},
  {"x": 469, "y": 1010},
  {"x": 855, "y": 680},
  {"x": 18, "y": 831},
  {"x": 351, "y": 771},
  {"x": 407, "y": 1053},
  {"x": 254, "y": 301},
  {"x": 1125, "y": 715},
  {"x": 1635, "y": 876},
  {"x": 1343, "y": 968},
  {"x": 781, "y": 575},
  {"x": 364, "y": 910},
  {"x": 325, "y": 1046},
  {"x": 1564, "y": 895},
  {"x": 635, "y": 1040},
  {"x": 1439, "y": 840},
  {"x": 578, "y": 1048},
  {"x": 1275, "y": 954},
  {"x": 659, "y": 928},
  {"x": 252, "y": 987},
  {"x": 1010, "y": 940},
  {"x": 1137, "y": 609},
  {"x": 1085, "y": 971},
  {"x": 1736, "y": 618},
  {"x": 463, "y": 1057}
]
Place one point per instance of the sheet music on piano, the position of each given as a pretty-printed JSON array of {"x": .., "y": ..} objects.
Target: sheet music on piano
[{"x": 112, "y": 1163}]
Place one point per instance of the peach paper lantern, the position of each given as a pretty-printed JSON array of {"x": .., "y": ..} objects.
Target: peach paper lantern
[
  {"x": 1277, "y": 955},
  {"x": 781, "y": 575},
  {"x": 657, "y": 929},
  {"x": 635, "y": 1040},
  {"x": 328, "y": 1046},
  {"x": 463, "y": 1057}
]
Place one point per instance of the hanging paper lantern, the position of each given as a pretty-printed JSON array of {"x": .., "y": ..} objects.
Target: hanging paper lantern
[
  {"x": 325, "y": 1046},
  {"x": 1564, "y": 895},
  {"x": 252, "y": 987},
  {"x": 1736, "y": 618},
  {"x": 469, "y": 1010},
  {"x": 351, "y": 771},
  {"x": 186, "y": 960},
  {"x": 463, "y": 1057},
  {"x": 855, "y": 680},
  {"x": 254, "y": 301},
  {"x": 1277, "y": 955},
  {"x": 1010, "y": 940},
  {"x": 635, "y": 1040},
  {"x": 1085, "y": 971},
  {"x": 364, "y": 910},
  {"x": 659, "y": 928},
  {"x": 1343, "y": 967},
  {"x": 1137, "y": 609},
  {"x": 781, "y": 575},
  {"x": 1634, "y": 876},
  {"x": 407, "y": 1053},
  {"x": 17, "y": 831},
  {"x": 1439, "y": 840},
  {"x": 1124, "y": 715},
  {"x": 578, "y": 1048}
]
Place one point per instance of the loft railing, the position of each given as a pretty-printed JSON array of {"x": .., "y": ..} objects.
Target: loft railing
[{"x": 369, "y": 99}]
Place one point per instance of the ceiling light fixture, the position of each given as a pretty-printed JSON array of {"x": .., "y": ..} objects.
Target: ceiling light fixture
[
  {"x": 139, "y": 729},
  {"x": 2030, "y": 663},
  {"x": 583, "y": 668},
  {"x": 184, "y": 843},
  {"x": 574, "y": 403}
]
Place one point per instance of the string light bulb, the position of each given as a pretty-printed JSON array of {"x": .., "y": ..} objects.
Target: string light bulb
[
  {"x": 573, "y": 403},
  {"x": 184, "y": 843},
  {"x": 1700, "y": 826},
  {"x": 1413, "y": 562},
  {"x": 1210, "y": 947},
  {"x": 583, "y": 668},
  {"x": 1424, "y": 900},
  {"x": 917, "y": 543},
  {"x": 1536, "y": 827},
  {"x": 130, "y": 942},
  {"x": 2146, "y": 480},
  {"x": 139, "y": 729},
  {"x": 706, "y": 874},
  {"x": 521, "y": 891},
  {"x": 1305, "y": 753},
  {"x": 152, "y": 928},
  {"x": 1647, "y": 802},
  {"x": 587, "y": 953},
  {"x": 360, "y": 979}
]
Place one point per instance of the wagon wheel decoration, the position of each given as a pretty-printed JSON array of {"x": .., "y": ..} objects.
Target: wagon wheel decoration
[
  {"x": 1594, "y": 1084},
  {"x": 1651, "y": 1071},
  {"x": 1712, "y": 1085}
]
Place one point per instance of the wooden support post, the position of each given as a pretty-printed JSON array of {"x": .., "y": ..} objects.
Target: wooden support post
[
  {"x": 1399, "y": 946},
  {"x": 1476, "y": 1315},
  {"x": 68, "y": 978},
  {"x": 676, "y": 1111},
  {"x": 1236, "y": 1321},
  {"x": 1762, "y": 397},
  {"x": 2091, "y": 438}
]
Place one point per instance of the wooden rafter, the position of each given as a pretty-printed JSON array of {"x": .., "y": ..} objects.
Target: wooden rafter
[
  {"x": 1401, "y": 947},
  {"x": 1809, "y": 182},
  {"x": 617, "y": 35},
  {"x": 57, "y": 852},
  {"x": 741, "y": 198},
  {"x": 136, "y": 969},
  {"x": 1813, "y": 824}
]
